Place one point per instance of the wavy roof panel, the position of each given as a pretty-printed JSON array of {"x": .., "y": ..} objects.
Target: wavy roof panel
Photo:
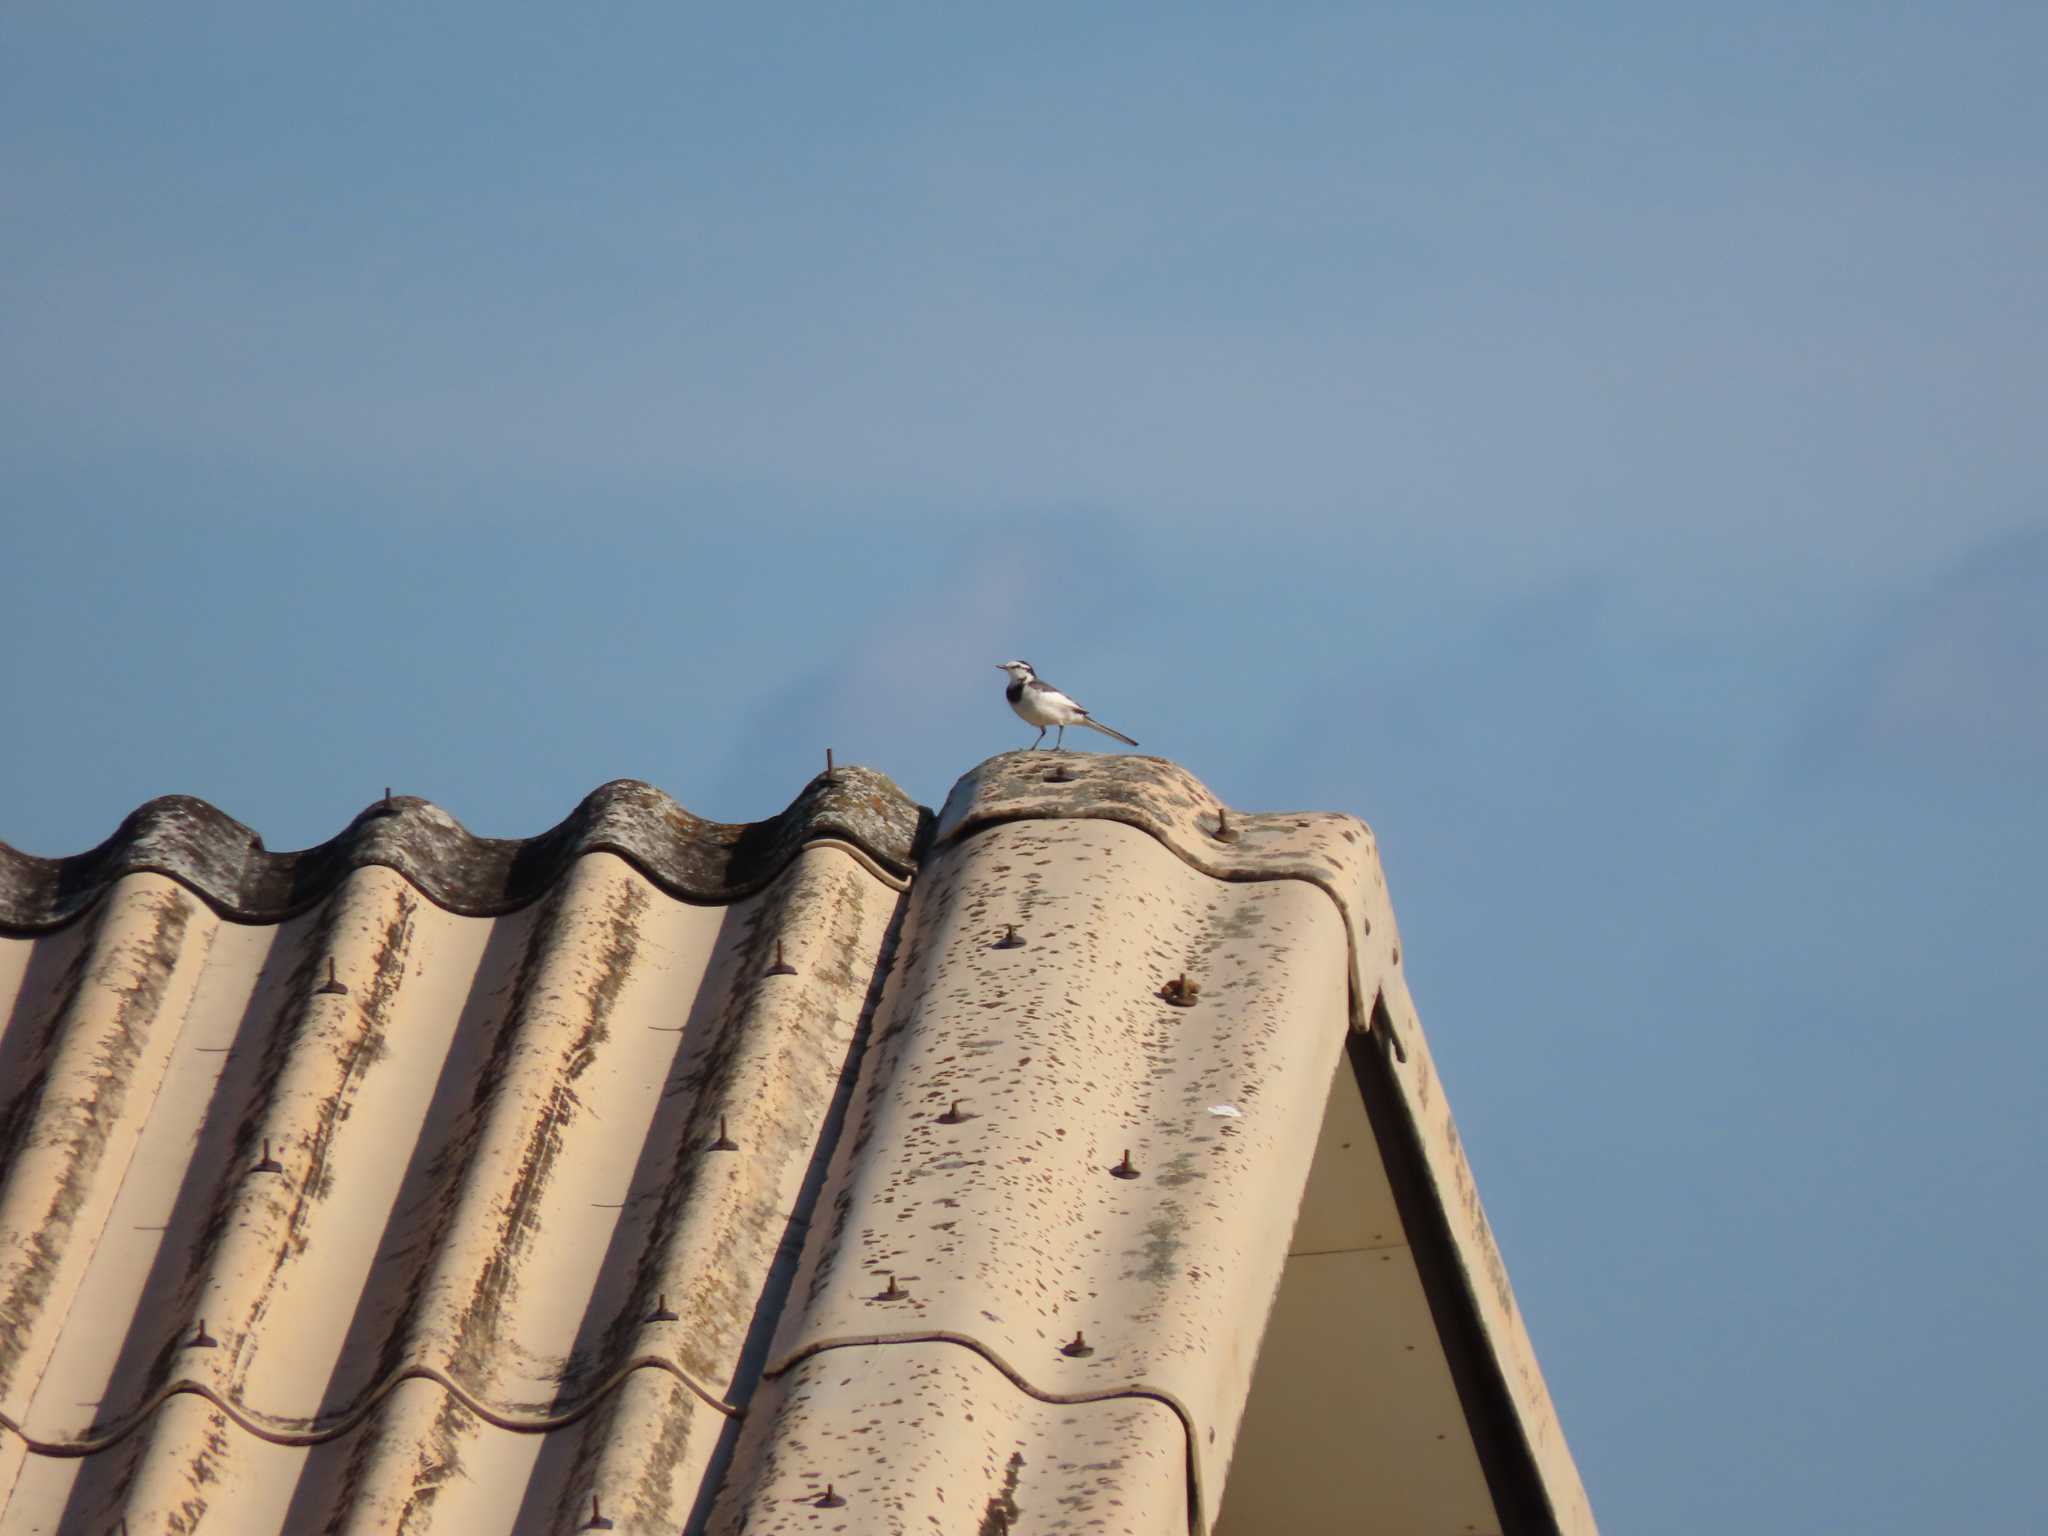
[{"x": 854, "y": 1171}]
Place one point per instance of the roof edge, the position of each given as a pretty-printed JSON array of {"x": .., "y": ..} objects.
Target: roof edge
[{"x": 225, "y": 864}]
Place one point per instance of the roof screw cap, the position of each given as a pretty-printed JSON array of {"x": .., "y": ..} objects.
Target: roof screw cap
[
  {"x": 830, "y": 1500},
  {"x": 781, "y": 967},
  {"x": 1180, "y": 991},
  {"x": 269, "y": 1164},
  {"x": 334, "y": 986},
  {"x": 201, "y": 1339},
  {"x": 725, "y": 1143},
  {"x": 953, "y": 1115},
  {"x": 1059, "y": 775},
  {"x": 1124, "y": 1169},
  {"x": 1225, "y": 832},
  {"x": 895, "y": 1292},
  {"x": 1009, "y": 940},
  {"x": 1080, "y": 1349},
  {"x": 661, "y": 1313}
]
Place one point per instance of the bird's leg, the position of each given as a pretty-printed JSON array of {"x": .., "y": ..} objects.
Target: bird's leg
[
  {"x": 1041, "y": 736},
  {"x": 1059, "y": 742}
]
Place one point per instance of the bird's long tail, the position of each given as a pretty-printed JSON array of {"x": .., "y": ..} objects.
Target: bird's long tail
[{"x": 1097, "y": 725}]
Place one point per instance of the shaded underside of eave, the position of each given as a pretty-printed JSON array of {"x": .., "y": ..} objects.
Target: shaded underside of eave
[
  {"x": 225, "y": 864},
  {"x": 1352, "y": 1377}
]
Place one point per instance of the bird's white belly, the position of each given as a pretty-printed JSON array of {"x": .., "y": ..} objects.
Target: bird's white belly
[{"x": 1038, "y": 709}]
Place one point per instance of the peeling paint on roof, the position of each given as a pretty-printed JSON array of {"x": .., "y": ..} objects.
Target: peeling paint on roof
[{"x": 857, "y": 1170}]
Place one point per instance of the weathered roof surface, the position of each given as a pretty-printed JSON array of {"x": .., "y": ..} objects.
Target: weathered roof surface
[
  {"x": 844, "y": 1172},
  {"x": 225, "y": 864}
]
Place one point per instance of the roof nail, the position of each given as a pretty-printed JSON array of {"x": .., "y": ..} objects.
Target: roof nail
[
  {"x": 895, "y": 1292},
  {"x": 1080, "y": 1349},
  {"x": 661, "y": 1313},
  {"x": 1124, "y": 1170},
  {"x": 781, "y": 967},
  {"x": 830, "y": 1500},
  {"x": 597, "y": 1519},
  {"x": 725, "y": 1143},
  {"x": 1225, "y": 832},
  {"x": 201, "y": 1339},
  {"x": 1059, "y": 775},
  {"x": 828, "y": 765},
  {"x": 1180, "y": 991},
  {"x": 269, "y": 1163},
  {"x": 953, "y": 1115},
  {"x": 334, "y": 986},
  {"x": 1009, "y": 940}
]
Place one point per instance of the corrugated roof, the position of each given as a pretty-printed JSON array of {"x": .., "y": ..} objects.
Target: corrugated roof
[{"x": 852, "y": 1171}]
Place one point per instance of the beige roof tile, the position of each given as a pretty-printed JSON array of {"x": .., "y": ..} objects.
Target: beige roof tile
[
  {"x": 432, "y": 1183},
  {"x": 925, "y": 1435}
]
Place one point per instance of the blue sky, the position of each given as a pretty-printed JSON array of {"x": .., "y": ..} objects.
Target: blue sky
[{"x": 1600, "y": 447}]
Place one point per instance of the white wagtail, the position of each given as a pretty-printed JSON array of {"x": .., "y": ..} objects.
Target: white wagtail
[{"x": 1045, "y": 706}]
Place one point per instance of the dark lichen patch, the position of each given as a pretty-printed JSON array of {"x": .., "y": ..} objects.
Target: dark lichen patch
[
  {"x": 734, "y": 1229},
  {"x": 362, "y": 1052},
  {"x": 1238, "y": 919},
  {"x": 857, "y": 966},
  {"x": 436, "y": 1466},
  {"x": 1000, "y": 1516},
  {"x": 653, "y": 1497},
  {"x": 477, "y": 1330},
  {"x": 25, "y": 1062},
  {"x": 225, "y": 865},
  {"x": 621, "y": 945},
  {"x": 450, "y": 1162},
  {"x": 387, "y": 973},
  {"x": 1181, "y": 1170},
  {"x": 364, "y": 1049},
  {"x": 279, "y": 1042},
  {"x": 213, "y": 1448},
  {"x": 362, "y": 1451},
  {"x": 1163, "y": 1244},
  {"x": 81, "y": 1126}
]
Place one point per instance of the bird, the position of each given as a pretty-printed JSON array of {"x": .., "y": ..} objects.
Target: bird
[{"x": 1045, "y": 706}]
